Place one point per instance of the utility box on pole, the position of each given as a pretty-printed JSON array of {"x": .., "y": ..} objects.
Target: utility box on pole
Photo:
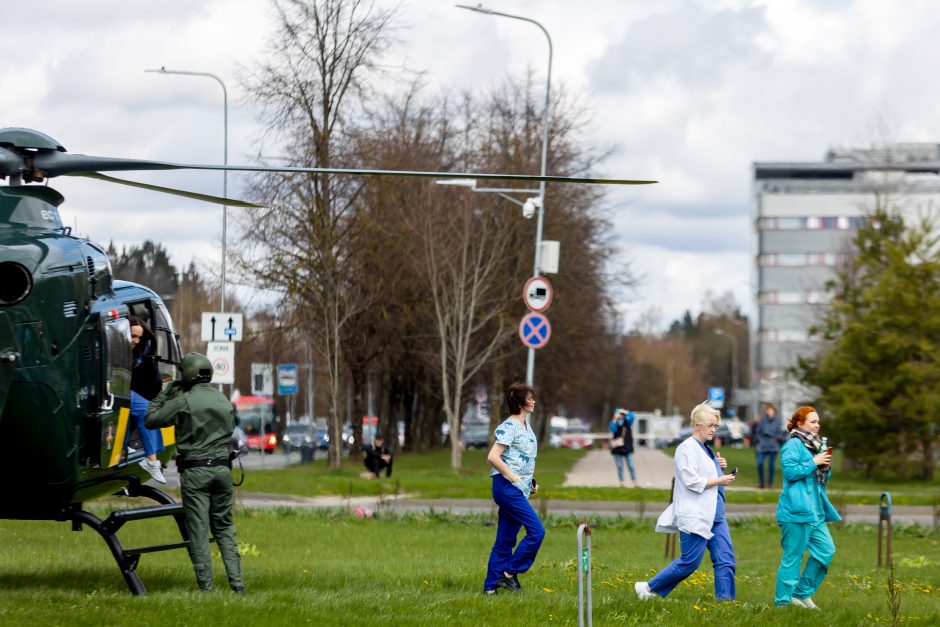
[{"x": 548, "y": 263}]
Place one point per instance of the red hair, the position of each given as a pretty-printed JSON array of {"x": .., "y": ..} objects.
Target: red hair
[{"x": 799, "y": 417}]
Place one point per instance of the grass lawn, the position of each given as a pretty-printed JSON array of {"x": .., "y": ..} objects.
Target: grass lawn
[
  {"x": 429, "y": 475},
  {"x": 330, "y": 568}
]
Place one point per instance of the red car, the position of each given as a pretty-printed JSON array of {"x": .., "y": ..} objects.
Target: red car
[{"x": 576, "y": 436}]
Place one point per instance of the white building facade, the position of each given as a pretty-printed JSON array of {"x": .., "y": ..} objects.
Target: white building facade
[{"x": 803, "y": 222}]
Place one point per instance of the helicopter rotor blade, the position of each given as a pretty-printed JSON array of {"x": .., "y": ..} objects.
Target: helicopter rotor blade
[
  {"x": 53, "y": 163},
  {"x": 231, "y": 202}
]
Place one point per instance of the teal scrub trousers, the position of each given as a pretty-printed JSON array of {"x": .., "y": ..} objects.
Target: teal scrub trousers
[{"x": 796, "y": 539}]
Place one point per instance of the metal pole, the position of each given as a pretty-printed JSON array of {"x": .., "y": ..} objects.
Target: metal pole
[
  {"x": 734, "y": 366},
  {"x": 163, "y": 70},
  {"x": 530, "y": 361},
  {"x": 584, "y": 575}
]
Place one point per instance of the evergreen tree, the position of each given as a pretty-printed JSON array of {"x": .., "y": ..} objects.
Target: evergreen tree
[{"x": 879, "y": 377}]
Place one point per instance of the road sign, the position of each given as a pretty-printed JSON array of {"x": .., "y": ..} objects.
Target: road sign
[
  {"x": 222, "y": 356},
  {"x": 537, "y": 294},
  {"x": 221, "y": 327},
  {"x": 262, "y": 379},
  {"x": 716, "y": 397},
  {"x": 286, "y": 379},
  {"x": 535, "y": 330}
]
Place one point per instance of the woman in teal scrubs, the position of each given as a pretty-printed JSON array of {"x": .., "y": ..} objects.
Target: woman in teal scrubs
[{"x": 803, "y": 511}]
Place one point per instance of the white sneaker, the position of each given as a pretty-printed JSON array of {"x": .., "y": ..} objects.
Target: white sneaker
[
  {"x": 643, "y": 591},
  {"x": 155, "y": 470},
  {"x": 808, "y": 603}
]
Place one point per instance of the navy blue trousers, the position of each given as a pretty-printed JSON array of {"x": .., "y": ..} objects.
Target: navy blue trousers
[
  {"x": 693, "y": 549},
  {"x": 514, "y": 513}
]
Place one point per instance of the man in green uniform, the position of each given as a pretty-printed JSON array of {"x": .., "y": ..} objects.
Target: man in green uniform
[{"x": 204, "y": 423}]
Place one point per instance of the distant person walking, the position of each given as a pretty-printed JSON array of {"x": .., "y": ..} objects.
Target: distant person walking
[
  {"x": 621, "y": 443},
  {"x": 803, "y": 511},
  {"x": 697, "y": 513},
  {"x": 513, "y": 460},
  {"x": 770, "y": 435}
]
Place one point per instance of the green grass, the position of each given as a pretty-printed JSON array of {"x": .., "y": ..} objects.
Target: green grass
[
  {"x": 330, "y": 568},
  {"x": 429, "y": 475}
]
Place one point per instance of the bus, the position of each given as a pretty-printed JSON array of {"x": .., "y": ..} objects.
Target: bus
[{"x": 255, "y": 415}]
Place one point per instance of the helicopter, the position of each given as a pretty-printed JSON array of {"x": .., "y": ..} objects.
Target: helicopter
[{"x": 65, "y": 345}]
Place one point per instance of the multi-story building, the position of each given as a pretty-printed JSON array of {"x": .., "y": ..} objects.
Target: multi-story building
[{"x": 804, "y": 218}]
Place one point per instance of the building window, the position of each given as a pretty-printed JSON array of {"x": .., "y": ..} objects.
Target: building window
[
  {"x": 791, "y": 259},
  {"x": 814, "y": 223}
]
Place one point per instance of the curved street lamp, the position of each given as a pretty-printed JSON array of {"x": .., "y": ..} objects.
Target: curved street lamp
[
  {"x": 163, "y": 70},
  {"x": 540, "y": 206}
]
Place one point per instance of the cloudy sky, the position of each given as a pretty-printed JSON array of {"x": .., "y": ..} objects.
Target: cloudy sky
[{"x": 691, "y": 92}]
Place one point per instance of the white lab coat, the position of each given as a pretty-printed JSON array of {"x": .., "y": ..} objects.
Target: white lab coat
[{"x": 693, "y": 505}]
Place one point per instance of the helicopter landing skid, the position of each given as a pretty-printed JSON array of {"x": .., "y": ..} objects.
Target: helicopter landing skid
[{"x": 127, "y": 559}]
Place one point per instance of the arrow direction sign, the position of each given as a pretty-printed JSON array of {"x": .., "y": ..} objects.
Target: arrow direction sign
[
  {"x": 222, "y": 327},
  {"x": 535, "y": 330}
]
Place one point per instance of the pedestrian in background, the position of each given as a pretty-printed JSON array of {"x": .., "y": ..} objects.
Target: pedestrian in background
[
  {"x": 204, "y": 421},
  {"x": 621, "y": 443},
  {"x": 697, "y": 513},
  {"x": 803, "y": 511},
  {"x": 513, "y": 460},
  {"x": 770, "y": 435}
]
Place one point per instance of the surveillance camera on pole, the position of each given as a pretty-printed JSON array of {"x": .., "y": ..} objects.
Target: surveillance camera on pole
[{"x": 530, "y": 207}]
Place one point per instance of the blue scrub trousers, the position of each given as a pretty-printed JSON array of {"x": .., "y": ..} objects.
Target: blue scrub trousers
[
  {"x": 796, "y": 539},
  {"x": 693, "y": 549},
  {"x": 514, "y": 513},
  {"x": 619, "y": 460},
  {"x": 151, "y": 439}
]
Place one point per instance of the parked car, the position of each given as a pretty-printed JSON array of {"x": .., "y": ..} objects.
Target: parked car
[
  {"x": 475, "y": 436},
  {"x": 576, "y": 436},
  {"x": 722, "y": 433},
  {"x": 297, "y": 435}
]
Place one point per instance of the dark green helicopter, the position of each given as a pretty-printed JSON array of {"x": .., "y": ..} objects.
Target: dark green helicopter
[{"x": 65, "y": 346}]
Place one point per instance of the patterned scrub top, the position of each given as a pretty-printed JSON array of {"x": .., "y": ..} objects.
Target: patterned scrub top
[{"x": 521, "y": 449}]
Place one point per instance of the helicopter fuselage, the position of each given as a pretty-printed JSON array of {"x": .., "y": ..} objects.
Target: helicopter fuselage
[{"x": 65, "y": 362}]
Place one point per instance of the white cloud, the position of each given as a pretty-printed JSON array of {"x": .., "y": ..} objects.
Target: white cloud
[{"x": 691, "y": 91}]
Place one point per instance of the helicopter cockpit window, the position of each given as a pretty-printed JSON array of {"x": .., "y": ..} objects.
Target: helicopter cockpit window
[
  {"x": 118, "y": 375},
  {"x": 168, "y": 347}
]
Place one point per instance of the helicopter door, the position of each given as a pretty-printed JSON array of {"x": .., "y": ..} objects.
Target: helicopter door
[{"x": 115, "y": 400}]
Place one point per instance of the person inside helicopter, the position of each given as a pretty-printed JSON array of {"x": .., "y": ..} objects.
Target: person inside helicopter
[{"x": 145, "y": 385}]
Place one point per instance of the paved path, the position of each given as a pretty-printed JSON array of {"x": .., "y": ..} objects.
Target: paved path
[{"x": 654, "y": 469}]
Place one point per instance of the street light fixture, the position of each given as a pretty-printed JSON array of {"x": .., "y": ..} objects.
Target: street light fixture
[
  {"x": 540, "y": 209},
  {"x": 528, "y": 206},
  {"x": 734, "y": 365},
  {"x": 163, "y": 70}
]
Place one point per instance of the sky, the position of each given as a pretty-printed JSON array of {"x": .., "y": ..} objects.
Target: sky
[{"x": 687, "y": 92}]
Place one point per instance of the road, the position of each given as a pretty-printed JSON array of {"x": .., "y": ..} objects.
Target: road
[{"x": 654, "y": 470}]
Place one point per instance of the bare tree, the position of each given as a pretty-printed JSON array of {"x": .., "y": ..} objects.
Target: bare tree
[
  {"x": 317, "y": 69},
  {"x": 464, "y": 249}
]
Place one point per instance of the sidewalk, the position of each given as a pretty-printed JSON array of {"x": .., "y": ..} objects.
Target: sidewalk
[{"x": 654, "y": 469}]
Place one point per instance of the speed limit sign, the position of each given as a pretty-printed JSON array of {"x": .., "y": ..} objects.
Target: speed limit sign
[{"x": 222, "y": 357}]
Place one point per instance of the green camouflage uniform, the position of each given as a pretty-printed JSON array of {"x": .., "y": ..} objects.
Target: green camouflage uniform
[{"x": 204, "y": 422}]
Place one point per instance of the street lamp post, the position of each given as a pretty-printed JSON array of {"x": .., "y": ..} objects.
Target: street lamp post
[
  {"x": 540, "y": 209},
  {"x": 163, "y": 70},
  {"x": 734, "y": 365}
]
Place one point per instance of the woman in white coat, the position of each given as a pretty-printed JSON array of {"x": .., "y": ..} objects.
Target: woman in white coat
[{"x": 697, "y": 513}]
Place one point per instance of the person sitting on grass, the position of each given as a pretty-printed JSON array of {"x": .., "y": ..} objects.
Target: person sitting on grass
[
  {"x": 513, "y": 460},
  {"x": 377, "y": 457}
]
